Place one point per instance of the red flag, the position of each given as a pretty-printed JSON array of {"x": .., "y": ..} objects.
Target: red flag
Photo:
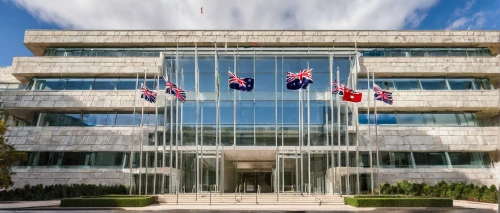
[{"x": 352, "y": 96}]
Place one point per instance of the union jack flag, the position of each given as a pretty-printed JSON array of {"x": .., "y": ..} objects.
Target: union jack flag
[
  {"x": 382, "y": 95},
  {"x": 299, "y": 80},
  {"x": 148, "y": 94},
  {"x": 307, "y": 74},
  {"x": 338, "y": 88},
  {"x": 178, "y": 92}
]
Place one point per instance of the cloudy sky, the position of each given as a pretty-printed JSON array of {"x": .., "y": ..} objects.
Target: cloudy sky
[{"x": 19, "y": 15}]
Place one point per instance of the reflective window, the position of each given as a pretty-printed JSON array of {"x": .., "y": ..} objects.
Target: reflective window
[
  {"x": 76, "y": 159},
  {"x": 385, "y": 84},
  {"x": 426, "y": 52},
  {"x": 469, "y": 159},
  {"x": 396, "y": 160},
  {"x": 407, "y": 84},
  {"x": 107, "y": 159},
  {"x": 442, "y": 119},
  {"x": 409, "y": 119},
  {"x": 127, "y": 84},
  {"x": 434, "y": 84},
  {"x": 104, "y": 84},
  {"x": 461, "y": 84},
  {"x": 385, "y": 119},
  {"x": 55, "y": 119},
  {"x": 430, "y": 159}
]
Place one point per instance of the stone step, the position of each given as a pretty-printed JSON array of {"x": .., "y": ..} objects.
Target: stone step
[{"x": 284, "y": 199}]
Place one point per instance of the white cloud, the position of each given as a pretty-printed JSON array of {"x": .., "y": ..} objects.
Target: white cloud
[
  {"x": 465, "y": 9},
  {"x": 229, "y": 14},
  {"x": 459, "y": 23}
]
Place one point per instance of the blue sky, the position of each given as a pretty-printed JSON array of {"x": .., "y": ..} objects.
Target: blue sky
[{"x": 19, "y": 15}]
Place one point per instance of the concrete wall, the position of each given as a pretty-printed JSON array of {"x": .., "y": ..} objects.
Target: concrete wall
[
  {"x": 421, "y": 100},
  {"x": 24, "y": 68},
  {"x": 430, "y": 66},
  {"x": 97, "y": 100},
  {"x": 38, "y": 40},
  {"x": 486, "y": 176},
  {"x": 393, "y": 138},
  {"x": 6, "y": 75},
  {"x": 51, "y": 176}
]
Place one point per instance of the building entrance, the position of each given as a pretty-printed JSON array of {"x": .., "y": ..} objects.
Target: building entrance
[{"x": 253, "y": 182}]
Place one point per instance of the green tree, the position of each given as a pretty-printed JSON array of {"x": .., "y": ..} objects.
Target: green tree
[{"x": 8, "y": 157}]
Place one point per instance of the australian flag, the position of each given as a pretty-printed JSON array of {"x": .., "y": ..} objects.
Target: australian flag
[
  {"x": 148, "y": 94},
  {"x": 382, "y": 95},
  {"x": 171, "y": 88},
  {"x": 237, "y": 83},
  {"x": 301, "y": 80},
  {"x": 338, "y": 88}
]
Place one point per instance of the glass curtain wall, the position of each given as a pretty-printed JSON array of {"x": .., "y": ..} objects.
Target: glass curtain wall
[{"x": 267, "y": 116}]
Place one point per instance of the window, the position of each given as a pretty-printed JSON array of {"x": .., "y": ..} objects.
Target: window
[
  {"x": 127, "y": 84},
  {"x": 431, "y": 159},
  {"x": 409, "y": 119},
  {"x": 396, "y": 160},
  {"x": 407, "y": 84},
  {"x": 108, "y": 159},
  {"x": 104, "y": 84},
  {"x": 469, "y": 159},
  {"x": 461, "y": 84},
  {"x": 385, "y": 84},
  {"x": 434, "y": 84},
  {"x": 76, "y": 159},
  {"x": 445, "y": 119},
  {"x": 386, "y": 119}
]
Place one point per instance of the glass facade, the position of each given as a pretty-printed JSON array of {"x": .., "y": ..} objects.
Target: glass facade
[
  {"x": 423, "y": 119},
  {"x": 428, "y": 83},
  {"x": 426, "y": 52},
  {"x": 51, "y": 84}
]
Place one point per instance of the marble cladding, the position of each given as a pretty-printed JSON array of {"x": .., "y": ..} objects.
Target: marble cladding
[
  {"x": 420, "y": 138},
  {"x": 120, "y": 100},
  {"x": 430, "y": 66},
  {"x": 24, "y": 68},
  {"x": 6, "y": 75},
  {"x": 441, "y": 100},
  {"x": 486, "y": 176}
]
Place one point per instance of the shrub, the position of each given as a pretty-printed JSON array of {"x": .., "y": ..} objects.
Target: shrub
[
  {"x": 457, "y": 191},
  {"x": 40, "y": 192},
  {"x": 109, "y": 201},
  {"x": 398, "y": 202}
]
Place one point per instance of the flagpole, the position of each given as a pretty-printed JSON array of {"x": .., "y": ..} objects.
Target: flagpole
[
  {"x": 164, "y": 134},
  {"x": 156, "y": 134},
  {"x": 172, "y": 126},
  {"x": 282, "y": 127},
  {"x": 181, "y": 127},
  {"x": 217, "y": 130},
  {"x": 301, "y": 141},
  {"x": 147, "y": 152},
  {"x": 376, "y": 139},
  {"x": 338, "y": 133},
  {"x": 133, "y": 136},
  {"x": 355, "y": 86},
  {"x": 348, "y": 172},
  {"x": 198, "y": 163},
  {"x": 276, "y": 127},
  {"x": 308, "y": 140},
  {"x": 332, "y": 61},
  {"x": 142, "y": 138},
  {"x": 369, "y": 130}
]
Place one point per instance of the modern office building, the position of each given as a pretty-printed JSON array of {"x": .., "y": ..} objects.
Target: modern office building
[{"x": 75, "y": 108}]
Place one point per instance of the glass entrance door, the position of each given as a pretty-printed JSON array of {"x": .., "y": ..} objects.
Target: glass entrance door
[{"x": 289, "y": 172}]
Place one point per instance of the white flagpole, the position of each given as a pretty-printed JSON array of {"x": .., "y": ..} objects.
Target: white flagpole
[
  {"x": 181, "y": 179},
  {"x": 276, "y": 128},
  {"x": 142, "y": 138},
  {"x": 355, "y": 117},
  {"x": 301, "y": 141},
  {"x": 164, "y": 134},
  {"x": 338, "y": 134},
  {"x": 308, "y": 141},
  {"x": 171, "y": 180},
  {"x": 348, "y": 176},
  {"x": 332, "y": 61},
  {"x": 196, "y": 123},
  {"x": 133, "y": 136},
  {"x": 376, "y": 139},
  {"x": 217, "y": 130},
  {"x": 156, "y": 133},
  {"x": 369, "y": 130}
]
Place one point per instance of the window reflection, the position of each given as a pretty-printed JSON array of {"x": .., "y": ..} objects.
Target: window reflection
[
  {"x": 421, "y": 119},
  {"x": 428, "y": 84},
  {"x": 430, "y": 159}
]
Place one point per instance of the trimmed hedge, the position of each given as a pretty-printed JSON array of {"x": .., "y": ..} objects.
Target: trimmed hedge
[
  {"x": 379, "y": 201},
  {"x": 456, "y": 191},
  {"x": 40, "y": 192},
  {"x": 109, "y": 201}
]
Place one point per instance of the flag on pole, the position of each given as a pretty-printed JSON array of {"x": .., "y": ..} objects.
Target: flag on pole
[
  {"x": 147, "y": 94},
  {"x": 352, "y": 96},
  {"x": 171, "y": 88},
  {"x": 382, "y": 95},
  {"x": 337, "y": 88},
  {"x": 237, "y": 83},
  {"x": 300, "y": 80}
]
